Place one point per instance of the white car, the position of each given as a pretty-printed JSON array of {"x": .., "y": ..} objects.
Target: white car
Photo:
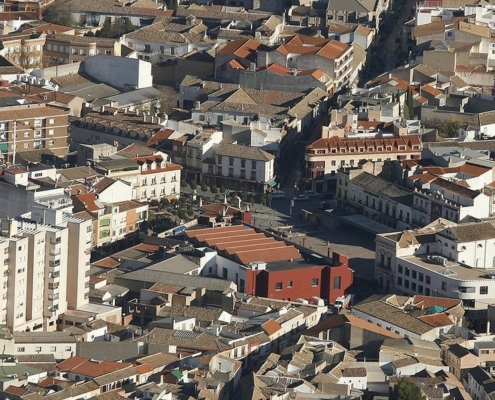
[
  {"x": 311, "y": 193},
  {"x": 301, "y": 197}
]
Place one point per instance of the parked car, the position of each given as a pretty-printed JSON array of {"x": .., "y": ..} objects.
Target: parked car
[
  {"x": 278, "y": 194},
  {"x": 311, "y": 193},
  {"x": 322, "y": 205},
  {"x": 326, "y": 196},
  {"x": 301, "y": 197}
]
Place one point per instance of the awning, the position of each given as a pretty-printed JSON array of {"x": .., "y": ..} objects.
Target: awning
[{"x": 272, "y": 183}]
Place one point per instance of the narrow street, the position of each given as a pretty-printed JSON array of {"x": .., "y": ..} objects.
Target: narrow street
[{"x": 386, "y": 53}]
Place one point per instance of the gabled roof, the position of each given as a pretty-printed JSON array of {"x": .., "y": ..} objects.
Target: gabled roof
[
  {"x": 271, "y": 327},
  {"x": 241, "y": 48}
]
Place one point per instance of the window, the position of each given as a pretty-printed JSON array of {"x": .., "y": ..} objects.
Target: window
[
  {"x": 484, "y": 290},
  {"x": 26, "y": 134},
  {"x": 21, "y": 349},
  {"x": 428, "y": 279},
  {"x": 399, "y": 281},
  {"x": 414, "y": 274},
  {"x": 421, "y": 277},
  {"x": 400, "y": 269},
  {"x": 51, "y": 131},
  {"x": 337, "y": 282},
  {"x": 225, "y": 273},
  {"x": 406, "y": 283},
  {"x": 314, "y": 282},
  {"x": 51, "y": 142},
  {"x": 408, "y": 271},
  {"x": 289, "y": 284},
  {"x": 444, "y": 286},
  {"x": 278, "y": 286},
  {"x": 53, "y": 348}
]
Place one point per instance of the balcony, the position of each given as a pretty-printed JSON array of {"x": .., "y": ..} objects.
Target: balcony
[
  {"x": 53, "y": 297},
  {"x": 54, "y": 263},
  {"x": 53, "y": 275},
  {"x": 86, "y": 285},
  {"x": 55, "y": 241},
  {"x": 55, "y": 252}
]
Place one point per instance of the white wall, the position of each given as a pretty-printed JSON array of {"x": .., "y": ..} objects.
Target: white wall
[{"x": 119, "y": 72}]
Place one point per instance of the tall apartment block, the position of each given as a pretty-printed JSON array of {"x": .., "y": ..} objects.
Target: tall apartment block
[
  {"x": 46, "y": 260},
  {"x": 26, "y": 127}
]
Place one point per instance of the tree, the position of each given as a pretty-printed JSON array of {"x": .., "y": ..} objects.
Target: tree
[
  {"x": 160, "y": 223},
  {"x": 409, "y": 106},
  {"x": 172, "y": 4},
  {"x": 27, "y": 57},
  {"x": 406, "y": 389},
  {"x": 59, "y": 13}
]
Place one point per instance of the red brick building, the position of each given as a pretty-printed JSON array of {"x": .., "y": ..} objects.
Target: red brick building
[
  {"x": 269, "y": 267},
  {"x": 291, "y": 280}
]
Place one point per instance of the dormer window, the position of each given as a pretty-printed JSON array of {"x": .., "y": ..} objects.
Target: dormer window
[
  {"x": 153, "y": 165},
  {"x": 371, "y": 149},
  {"x": 162, "y": 164},
  {"x": 402, "y": 148},
  {"x": 380, "y": 148},
  {"x": 389, "y": 148},
  {"x": 342, "y": 150},
  {"x": 351, "y": 150},
  {"x": 144, "y": 167},
  {"x": 361, "y": 149}
]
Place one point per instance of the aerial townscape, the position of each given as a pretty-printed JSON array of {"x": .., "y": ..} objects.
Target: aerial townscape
[{"x": 247, "y": 199}]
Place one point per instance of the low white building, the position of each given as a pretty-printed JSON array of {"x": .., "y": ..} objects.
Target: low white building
[
  {"x": 240, "y": 166},
  {"x": 442, "y": 259}
]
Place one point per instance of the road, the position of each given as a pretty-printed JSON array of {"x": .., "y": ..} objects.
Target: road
[{"x": 358, "y": 245}]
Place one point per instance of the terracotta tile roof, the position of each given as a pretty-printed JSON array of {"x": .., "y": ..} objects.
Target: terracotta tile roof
[
  {"x": 107, "y": 262},
  {"x": 191, "y": 234},
  {"x": 241, "y": 48},
  {"x": 159, "y": 137},
  {"x": 143, "y": 368},
  {"x": 35, "y": 111},
  {"x": 271, "y": 327},
  {"x": 436, "y": 319},
  {"x": 86, "y": 367},
  {"x": 431, "y": 90},
  {"x": 17, "y": 391},
  {"x": 147, "y": 247},
  {"x": 164, "y": 288},
  {"x": 129, "y": 205},
  {"x": 339, "y": 143},
  {"x": 135, "y": 150}
]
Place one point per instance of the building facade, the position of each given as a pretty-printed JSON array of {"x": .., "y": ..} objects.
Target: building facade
[
  {"x": 442, "y": 259},
  {"x": 34, "y": 126}
]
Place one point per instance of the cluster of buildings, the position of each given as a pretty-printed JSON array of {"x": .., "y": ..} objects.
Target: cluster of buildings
[{"x": 95, "y": 132}]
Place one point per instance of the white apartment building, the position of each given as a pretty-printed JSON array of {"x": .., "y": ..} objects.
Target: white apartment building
[
  {"x": 241, "y": 167},
  {"x": 19, "y": 192},
  {"x": 442, "y": 259},
  {"x": 151, "y": 177},
  {"x": 46, "y": 258},
  {"x": 199, "y": 148}
]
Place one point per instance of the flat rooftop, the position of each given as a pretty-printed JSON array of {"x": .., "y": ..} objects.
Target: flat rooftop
[{"x": 453, "y": 269}]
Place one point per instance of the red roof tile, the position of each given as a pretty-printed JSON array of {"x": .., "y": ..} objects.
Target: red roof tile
[{"x": 271, "y": 326}]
